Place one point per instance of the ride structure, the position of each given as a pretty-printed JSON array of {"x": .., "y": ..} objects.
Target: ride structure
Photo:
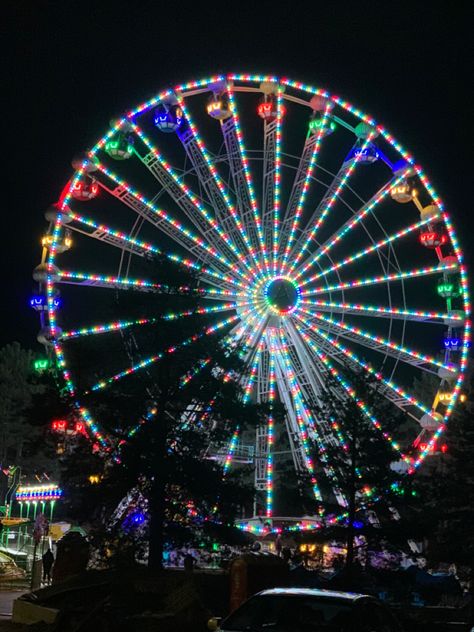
[{"x": 319, "y": 244}]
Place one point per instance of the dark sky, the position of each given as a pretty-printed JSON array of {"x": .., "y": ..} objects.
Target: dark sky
[{"x": 70, "y": 66}]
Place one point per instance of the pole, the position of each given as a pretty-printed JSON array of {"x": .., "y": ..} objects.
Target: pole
[{"x": 33, "y": 565}]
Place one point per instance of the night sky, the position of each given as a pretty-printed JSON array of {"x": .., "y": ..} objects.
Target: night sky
[{"x": 70, "y": 66}]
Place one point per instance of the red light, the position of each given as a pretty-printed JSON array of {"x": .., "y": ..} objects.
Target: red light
[
  {"x": 267, "y": 110},
  {"x": 444, "y": 448},
  {"x": 59, "y": 425},
  {"x": 422, "y": 447},
  {"x": 79, "y": 427},
  {"x": 432, "y": 239}
]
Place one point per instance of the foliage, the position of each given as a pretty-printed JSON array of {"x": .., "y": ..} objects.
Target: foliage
[
  {"x": 362, "y": 458},
  {"x": 359, "y": 466},
  {"x": 446, "y": 486},
  {"x": 23, "y": 396},
  {"x": 161, "y": 422}
]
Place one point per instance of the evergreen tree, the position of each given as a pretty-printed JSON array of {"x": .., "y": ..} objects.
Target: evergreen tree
[
  {"x": 163, "y": 419},
  {"x": 23, "y": 431},
  {"x": 446, "y": 487},
  {"x": 361, "y": 461}
]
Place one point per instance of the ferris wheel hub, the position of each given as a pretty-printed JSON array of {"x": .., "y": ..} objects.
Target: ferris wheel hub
[{"x": 281, "y": 295}]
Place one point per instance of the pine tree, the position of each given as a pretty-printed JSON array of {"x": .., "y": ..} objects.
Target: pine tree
[
  {"x": 162, "y": 419},
  {"x": 23, "y": 433},
  {"x": 446, "y": 488},
  {"x": 361, "y": 460}
]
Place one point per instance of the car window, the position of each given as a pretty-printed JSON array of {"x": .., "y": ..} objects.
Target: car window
[{"x": 291, "y": 613}]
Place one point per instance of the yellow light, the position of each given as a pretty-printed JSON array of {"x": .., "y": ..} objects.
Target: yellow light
[
  {"x": 68, "y": 242},
  {"x": 463, "y": 398},
  {"x": 94, "y": 479},
  {"x": 445, "y": 396},
  {"x": 312, "y": 547},
  {"x": 213, "y": 106},
  {"x": 47, "y": 241},
  {"x": 325, "y": 548},
  {"x": 303, "y": 548}
]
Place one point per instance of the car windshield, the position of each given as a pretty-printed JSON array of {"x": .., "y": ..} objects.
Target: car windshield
[{"x": 290, "y": 613}]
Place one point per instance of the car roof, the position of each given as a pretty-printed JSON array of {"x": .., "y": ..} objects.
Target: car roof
[{"x": 316, "y": 592}]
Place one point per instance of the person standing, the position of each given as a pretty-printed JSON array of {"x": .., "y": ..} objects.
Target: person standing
[{"x": 48, "y": 561}]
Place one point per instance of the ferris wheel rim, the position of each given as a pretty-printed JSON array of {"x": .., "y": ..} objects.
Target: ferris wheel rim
[{"x": 203, "y": 86}]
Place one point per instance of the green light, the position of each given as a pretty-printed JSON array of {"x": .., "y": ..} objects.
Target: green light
[
  {"x": 120, "y": 148},
  {"x": 316, "y": 123},
  {"x": 41, "y": 365},
  {"x": 448, "y": 289}
]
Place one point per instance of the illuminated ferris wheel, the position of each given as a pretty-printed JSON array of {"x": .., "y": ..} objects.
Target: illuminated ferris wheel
[{"x": 319, "y": 244}]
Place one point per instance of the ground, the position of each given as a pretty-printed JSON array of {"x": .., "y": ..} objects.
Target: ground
[{"x": 6, "y": 604}]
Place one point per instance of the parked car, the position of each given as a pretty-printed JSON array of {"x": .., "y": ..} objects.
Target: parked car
[{"x": 309, "y": 610}]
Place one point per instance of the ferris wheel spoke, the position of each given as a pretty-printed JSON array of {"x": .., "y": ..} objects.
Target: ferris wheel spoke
[
  {"x": 351, "y": 392},
  {"x": 242, "y": 179},
  {"x": 359, "y": 309},
  {"x": 324, "y": 207},
  {"x": 106, "y": 328},
  {"x": 135, "y": 246},
  {"x": 105, "y": 382},
  {"x": 310, "y": 375},
  {"x": 342, "y": 354},
  {"x": 248, "y": 387},
  {"x": 110, "y": 236},
  {"x": 225, "y": 211},
  {"x": 185, "y": 199},
  {"x": 381, "y": 344},
  {"x": 382, "y": 279},
  {"x": 119, "y": 325},
  {"x": 366, "y": 251},
  {"x": 165, "y": 223},
  {"x": 297, "y": 414},
  {"x": 270, "y": 440},
  {"x": 301, "y": 184},
  {"x": 351, "y": 223},
  {"x": 271, "y": 185},
  {"x": 139, "y": 285},
  {"x": 193, "y": 372},
  {"x": 199, "y": 311}
]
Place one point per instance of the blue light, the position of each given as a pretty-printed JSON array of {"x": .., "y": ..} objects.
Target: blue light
[
  {"x": 134, "y": 520},
  {"x": 138, "y": 518},
  {"x": 455, "y": 344},
  {"x": 39, "y": 302},
  {"x": 168, "y": 118},
  {"x": 364, "y": 155}
]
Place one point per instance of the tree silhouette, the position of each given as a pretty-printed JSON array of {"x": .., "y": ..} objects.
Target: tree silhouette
[{"x": 361, "y": 460}]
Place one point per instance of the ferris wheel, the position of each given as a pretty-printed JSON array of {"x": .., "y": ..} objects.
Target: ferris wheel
[{"x": 319, "y": 243}]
